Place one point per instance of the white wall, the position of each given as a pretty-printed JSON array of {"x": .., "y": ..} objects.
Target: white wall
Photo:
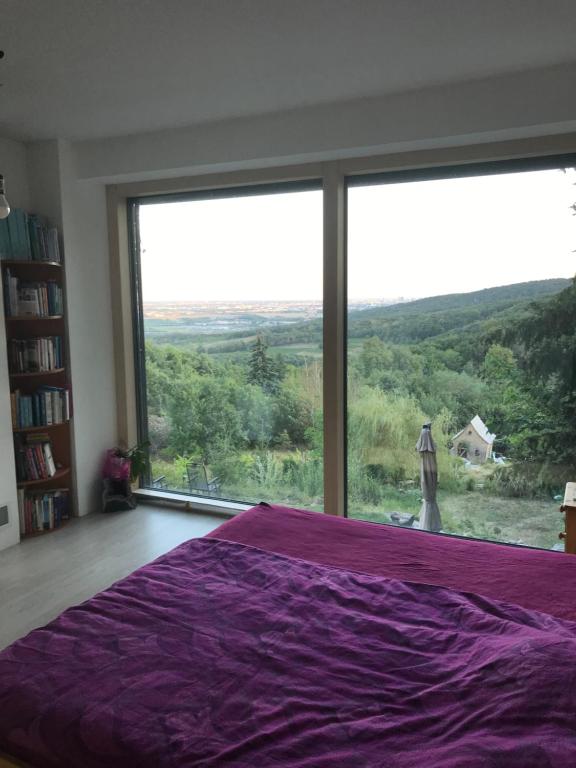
[
  {"x": 79, "y": 210},
  {"x": 89, "y": 327},
  {"x": 512, "y": 106},
  {"x": 13, "y": 167}
]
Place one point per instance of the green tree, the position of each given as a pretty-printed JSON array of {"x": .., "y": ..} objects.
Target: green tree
[
  {"x": 205, "y": 417},
  {"x": 546, "y": 342},
  {"x": 257, "y": 409},
  {"x": 292, "y": 417},
  {"x": 499, "y": 365},
  {"x": 262, "y": 369}
]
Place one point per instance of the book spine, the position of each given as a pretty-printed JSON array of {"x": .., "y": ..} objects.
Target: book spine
[{"x": 49, "y": 460}]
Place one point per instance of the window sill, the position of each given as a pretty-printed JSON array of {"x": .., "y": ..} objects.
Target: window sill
[{"x": 199, "y": 503}]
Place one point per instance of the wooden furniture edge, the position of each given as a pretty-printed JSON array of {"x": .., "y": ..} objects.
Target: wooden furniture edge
[{"x": 568, "y": 508}]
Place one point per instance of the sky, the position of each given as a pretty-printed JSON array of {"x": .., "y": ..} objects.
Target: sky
[{"x": 406, "y": 240}]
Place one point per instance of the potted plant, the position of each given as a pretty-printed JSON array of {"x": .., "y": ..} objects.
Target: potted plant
[
  {"x": 138, "y": 456},
  {"x": 122, "y": 468}
]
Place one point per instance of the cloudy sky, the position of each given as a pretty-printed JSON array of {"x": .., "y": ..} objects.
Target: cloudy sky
[{"x": 405, "y": 240}]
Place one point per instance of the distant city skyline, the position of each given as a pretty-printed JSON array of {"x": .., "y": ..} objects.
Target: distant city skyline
[
  {"x": 407, "y": 240},
  {"x": 297, "y": 301}
]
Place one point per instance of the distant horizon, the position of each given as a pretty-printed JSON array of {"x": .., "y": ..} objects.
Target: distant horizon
[
  {"x": 274, "y": 301},
  {"x": 414, "y": 239},
  {"x": 363, "y": 300}
]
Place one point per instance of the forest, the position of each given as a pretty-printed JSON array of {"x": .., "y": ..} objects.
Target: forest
[{"x": 249, "y": 405}]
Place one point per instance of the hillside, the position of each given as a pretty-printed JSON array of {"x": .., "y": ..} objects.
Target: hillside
[
  {"x": 446, "y": 321},
  {"x": 448, "y": 301},
  {"x": 427, "y": 318}
]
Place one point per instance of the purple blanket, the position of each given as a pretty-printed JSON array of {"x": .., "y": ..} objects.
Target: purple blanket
[
  {"x": 220, "y": 654},
  {"x": 534, "y": 578}
]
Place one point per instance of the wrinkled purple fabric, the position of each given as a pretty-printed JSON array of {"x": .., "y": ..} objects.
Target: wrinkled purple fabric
[
  {"x": 532, "y": 578},
  {"x": 220, "y": 654}
]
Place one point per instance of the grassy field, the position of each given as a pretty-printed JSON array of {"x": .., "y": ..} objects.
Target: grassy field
[
  {"x": 308, "y": 350},
  {"x": 533, "y": 522},
  {"x": 215, "y": 345},
  {"x": 248, "y": 490}
]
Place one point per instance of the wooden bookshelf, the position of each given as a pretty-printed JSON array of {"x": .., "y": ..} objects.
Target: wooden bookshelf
[
  {"x": 43, "y": 533},
  {"x": 25, "y": 263},
  {"x": 33, "y": 318},
  {"x": 42, "y": 428},
  {"x": 60, "y": 473},
  {"x": 40, "y": 326},
  {"x": 37, "y": 374}
]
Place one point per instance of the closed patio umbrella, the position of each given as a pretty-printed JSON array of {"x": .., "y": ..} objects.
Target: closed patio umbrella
[{"x": 430, "y": 519}]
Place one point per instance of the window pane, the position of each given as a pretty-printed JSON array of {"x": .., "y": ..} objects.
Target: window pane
[
  {"x": 461, "y": 313},
  {"x": 232, "y": 305}
]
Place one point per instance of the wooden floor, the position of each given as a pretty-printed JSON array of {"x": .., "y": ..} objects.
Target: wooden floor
[{"x": 41, "y": 577}]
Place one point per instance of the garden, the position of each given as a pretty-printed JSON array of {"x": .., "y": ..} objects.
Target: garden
[{"x": 254, "y": 420}]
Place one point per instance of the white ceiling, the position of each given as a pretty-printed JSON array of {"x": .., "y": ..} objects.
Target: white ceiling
[{"x": 93, "y": 68}]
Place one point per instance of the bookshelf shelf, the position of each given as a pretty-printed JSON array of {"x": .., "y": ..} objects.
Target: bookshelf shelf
[
  {"x": 34, "y": 290},
  {"x": 41, "y": 428},
  {"x": 60, "y": 473},
  {"x": 35, "y": 318},
  {"x": 31, "y": 374},
  {"x": 30, "y": 262}
]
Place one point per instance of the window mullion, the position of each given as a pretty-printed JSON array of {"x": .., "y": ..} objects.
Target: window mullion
[{"x": 334, "y": 338}]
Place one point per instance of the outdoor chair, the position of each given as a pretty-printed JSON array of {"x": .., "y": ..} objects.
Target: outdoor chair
[{"x": 198, "y": 480}]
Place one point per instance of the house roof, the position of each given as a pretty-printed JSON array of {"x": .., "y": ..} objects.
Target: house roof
[{"x": 480, "y": 428}]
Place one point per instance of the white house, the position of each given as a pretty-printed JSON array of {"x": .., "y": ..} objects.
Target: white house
[{"x": 474, "y": 442}]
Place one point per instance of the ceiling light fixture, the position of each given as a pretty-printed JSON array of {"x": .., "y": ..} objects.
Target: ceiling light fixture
[{"x": 4, "y": 204}]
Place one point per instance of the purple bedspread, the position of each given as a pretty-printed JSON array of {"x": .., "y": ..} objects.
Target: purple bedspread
[
  {"x": 220, "y": 654},
  {"x": 533, "y": 578}
]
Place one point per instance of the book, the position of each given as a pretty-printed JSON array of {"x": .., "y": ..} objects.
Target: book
[
  {"x": 36, "y": 355},
  {"x": 49, "y": 460},
  {"x": 42, "y": 510},
  {"x": 38, "y": 299},
  {"x": 34, "y": 457},
  {"x": 27, "y": 237}
]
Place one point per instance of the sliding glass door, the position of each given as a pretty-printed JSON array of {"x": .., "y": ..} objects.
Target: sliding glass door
[
  {"x": 230, "y": 306},
  {"x": 461, "y": 315}
]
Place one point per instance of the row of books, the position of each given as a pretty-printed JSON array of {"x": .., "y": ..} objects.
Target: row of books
[
  {"x": 42, "y": 511},
  {"x": 39, "y": 299},
  {"x": 27, "y": 237},
  {"x": 34, "y": 459},
  {"x": 46, "y": 406},
  {"x": 36, "y": 355}
]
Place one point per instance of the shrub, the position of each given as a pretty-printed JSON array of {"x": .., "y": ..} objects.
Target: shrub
[
  {"x": 158, "y": 433},
  {"x": 529, "y": 480}
]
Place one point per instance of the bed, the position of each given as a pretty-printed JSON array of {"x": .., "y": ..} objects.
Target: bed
[{"x": 289, "y": 638}]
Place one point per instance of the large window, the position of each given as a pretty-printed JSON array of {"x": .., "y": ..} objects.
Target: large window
[
  {"x": 461, "y": 314},
  {"x": 452, "y": 290},
  {"x": 230, "y": 304}
]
